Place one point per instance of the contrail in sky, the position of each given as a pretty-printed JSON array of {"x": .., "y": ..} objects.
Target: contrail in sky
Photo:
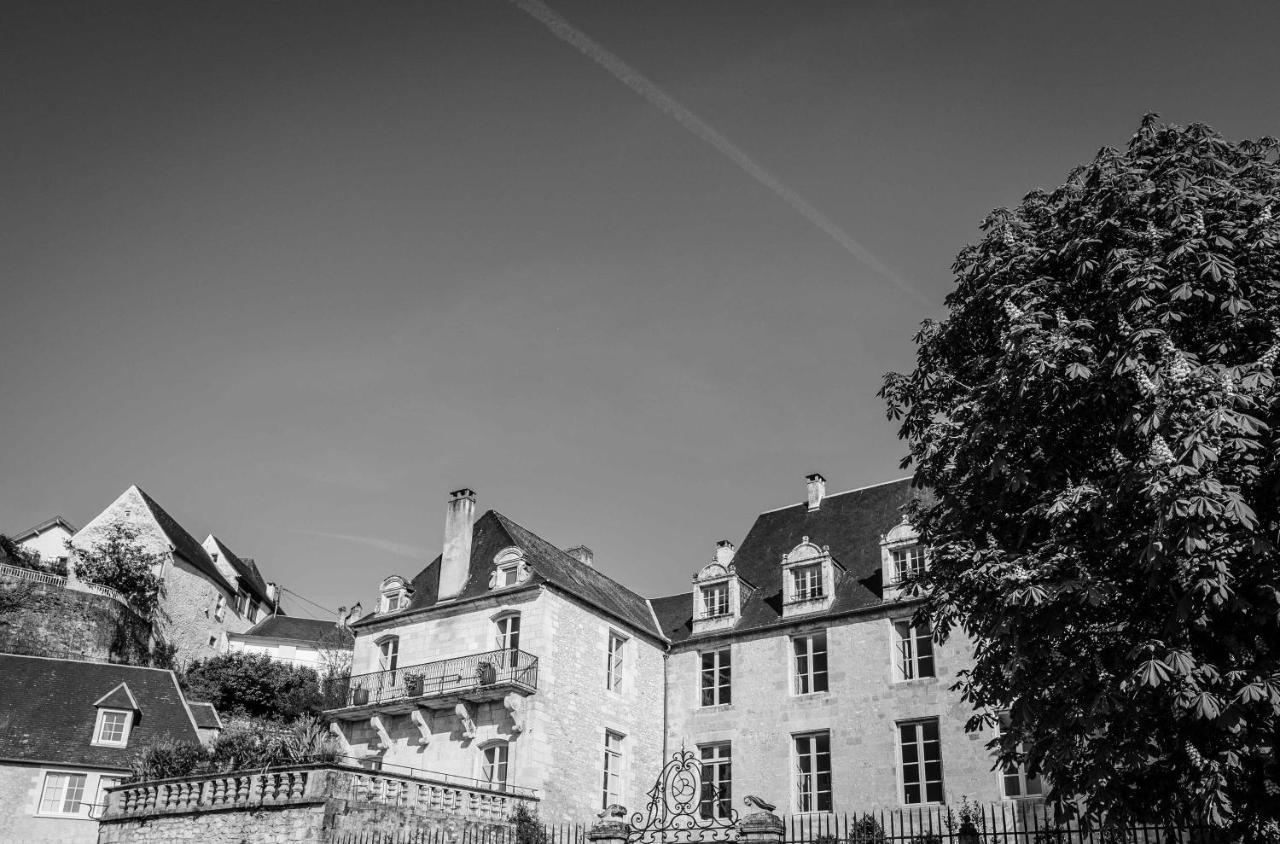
[
  {"x": 397, "y": 548},
  {"x": 638, "y": 82}
]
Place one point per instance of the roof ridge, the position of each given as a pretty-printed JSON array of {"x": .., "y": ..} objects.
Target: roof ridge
[
  {"x": 85, "y": 661},
  {"x": 838, "y": 494},
  {"x": 574, "y": 561},
  {"x": 184, "y": 543}
]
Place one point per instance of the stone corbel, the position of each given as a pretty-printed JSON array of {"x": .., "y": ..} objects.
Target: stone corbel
[
  {"x": 381, "y": 729},
  {"x": 422, "y": 721},
  {"x": 336, "y": 729},
  {"x": 515, "y": 708},
  {"x": 468, "y": 718}
]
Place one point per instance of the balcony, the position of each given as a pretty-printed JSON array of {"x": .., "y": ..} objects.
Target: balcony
[{"x": 436, "y": 685}]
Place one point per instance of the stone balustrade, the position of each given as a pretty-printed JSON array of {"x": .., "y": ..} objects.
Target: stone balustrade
[{"x": 309, "y": 784}]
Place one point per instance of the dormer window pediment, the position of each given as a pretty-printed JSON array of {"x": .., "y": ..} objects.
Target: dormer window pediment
[
  {"x": 718, "y": 592},
  {"x": 808, "y": 578},
  {"x": 509, "y": 568},
  {"x": 116, "y": 713},
  {"x": 395, "y": 594}
]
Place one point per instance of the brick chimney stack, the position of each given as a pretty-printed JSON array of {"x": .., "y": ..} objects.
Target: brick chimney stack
[
  {"x": 724, "y": 552},
  {"x": 455, "y": 561},
  {"x": 817, "y": 490}
]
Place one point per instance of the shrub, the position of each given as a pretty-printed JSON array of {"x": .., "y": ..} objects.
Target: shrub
[
  {"x": 866, "y": 830},
  {"x": 116, "y": 558},
  {"x": 254, "y": 686},
  {"x": 529, "y": 828},
  {"x": 168, "y": 758}
]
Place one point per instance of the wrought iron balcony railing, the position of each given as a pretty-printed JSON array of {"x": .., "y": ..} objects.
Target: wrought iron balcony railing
[{"x": 457, "y": 677}]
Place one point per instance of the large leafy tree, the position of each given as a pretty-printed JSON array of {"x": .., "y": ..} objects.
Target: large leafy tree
[
  {"x": 1096, "y": 417},
  {"x": 254, "y": 686}
]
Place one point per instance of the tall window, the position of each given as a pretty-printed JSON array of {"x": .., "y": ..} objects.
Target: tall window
[
  {"x": 715, "y": 600},
  {"x": 389, "y": 653},
  {"x": 717, "y": 780},
  {"x": 63, "y": 794},
  {"x": 810, "y": 663},
  {"x": 494, "y": 769},
  {"x": 112, "y": 728},
  {"x": 921, "y": 762},
  {"x": 813, "y": 772},
  {"x": 508, "y": 632},
  {"x": 913, "y": 650},
  {"x": 614, "y": 668},
  {"x": 716, "y": 671},
  {"x": 611, "y": 792},
  {"x": 807, "y": 582},
  {"x": 1014, "y": 780},
  {"x": 907, "y": 562}
]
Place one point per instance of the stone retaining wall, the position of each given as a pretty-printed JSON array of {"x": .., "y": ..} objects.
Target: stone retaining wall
[{"x": 54, "y": 621}]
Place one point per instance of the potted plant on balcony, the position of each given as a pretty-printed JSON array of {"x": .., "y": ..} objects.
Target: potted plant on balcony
[
  {"x": 359, "y": 696},
  {"x": 413, "y": 685},
  {"x": 486, "y": 674}
]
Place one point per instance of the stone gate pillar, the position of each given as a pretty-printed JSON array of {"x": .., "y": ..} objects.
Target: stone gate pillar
[
  {"x": 761, "y": 828},
  {"x": 611, "y": 828}
]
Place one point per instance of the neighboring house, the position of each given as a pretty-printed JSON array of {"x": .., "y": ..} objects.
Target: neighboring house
[
  {"x": 68, "y": 730},
  {"x": 512, "y": 662},
  {"x": 795, "y": 671},
  {"x": 254, "y": 598},
  {"x": 48, "y": 539},
  {"x": 201, "y": 600},
  {"x": 325, "y": 646}
]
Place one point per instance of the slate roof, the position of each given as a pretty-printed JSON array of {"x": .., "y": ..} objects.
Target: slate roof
[
  {"x": 47, "y": 711},
  {"x": 118, "y": 698},
  {"x": 184, "y": 544},
  {"x": 306, "y": 630},
  {"x": 205, "y": 716},
  {"x": 247, "y": 570},
  {"x": 494, "y": 532},
  {"x": 850, "y": 523}
]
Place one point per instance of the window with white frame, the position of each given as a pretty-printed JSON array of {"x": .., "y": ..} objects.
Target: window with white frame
[
  {"x": 494, "y": 766},
  {"x": 813, "y": 772},
  {"x": 1015, "y": 783},
  {"x": 716, "y": 799},
  {"x": 616, "y": 663},
  {"x": 219, "y": 608},
  {"x": 611, "y": 790},
  {"x": 112, "y": 727},
  {"x": 912, "y": 650},
  {"x": 389, "y": 653},
  {"x": 810, "y": 652},
  {"x": 715, "y": 677},
  {"x": 507, "y": 575},
  {"x": 920, "y": 748},
  {"x": 715, "y": 600},
  {"x": 908, "y": 562},
  {"x": 806, "y": 582},
  {"x": 63, "y": 794},
  {"x": 507, "y": 632}
]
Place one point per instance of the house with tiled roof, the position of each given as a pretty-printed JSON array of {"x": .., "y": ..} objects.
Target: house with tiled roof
[
  {"x": 512, "y": 663},
  {"x": 325, "y": 646},
  {"x": 69, "y": 730},
  {"x": 48, "y": 539},
  {"x": 205, "y": 596}
]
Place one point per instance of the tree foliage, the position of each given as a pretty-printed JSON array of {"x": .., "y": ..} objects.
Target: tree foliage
[
  {"x": 13, "y": 554},
  {"x": 116, "y": 557},
  {"x": 254, "y": 686},
  {"x": 1096, "y": 418}
]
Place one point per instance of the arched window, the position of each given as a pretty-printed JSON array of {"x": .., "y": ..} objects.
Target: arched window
[
  {"x": 388, "y": 653},
  {"x": 506, "y": 636},
  {"x": 493, "y": 766}
]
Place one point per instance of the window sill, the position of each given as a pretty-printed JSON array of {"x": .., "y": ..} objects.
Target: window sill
[
  {"x": 809, "y": 695},
  {"x": 713, "y": 707},
  {"x": 115, "y": 744},
  {"x": 76, "y": 816},
  {"x": 914, "y": 681}
]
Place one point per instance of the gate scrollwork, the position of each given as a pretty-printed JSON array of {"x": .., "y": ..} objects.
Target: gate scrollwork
[{"x": 675, "y": 813}]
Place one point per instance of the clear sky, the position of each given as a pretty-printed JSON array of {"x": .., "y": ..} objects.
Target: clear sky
[{"x": 298, "y": 269}]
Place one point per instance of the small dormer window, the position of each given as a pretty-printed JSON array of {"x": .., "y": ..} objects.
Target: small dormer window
[
  {"x": 718, "y": 592},
  {"x": 907, "y": 562},
  {"x": 808, "y": 578},
  {"x": 113, "y": 727},
  {"x": 806, "y": 583},
  {"x": 395, "y": 594},
  {"x": 902, "y": 557},
  {"x": 509, "y": 569},
  {"x": 715, "y": 599}
]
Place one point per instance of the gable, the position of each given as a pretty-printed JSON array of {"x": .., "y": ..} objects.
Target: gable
[{"x": 118, "y": 698}]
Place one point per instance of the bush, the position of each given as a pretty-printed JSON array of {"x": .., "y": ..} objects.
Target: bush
[
  {"x": 254, "y": 686},
  {"x": 168, "y": 758},
  {"x": 242, "y": 746},
  {"x": 116, "y": 559},
  {"x": 866, "y": 830},
  {"x": 13, "y": 554},
  {"x": 529, "y": 828}
]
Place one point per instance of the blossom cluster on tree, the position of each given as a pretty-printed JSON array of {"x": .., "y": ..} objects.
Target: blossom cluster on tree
[{"x": 1096, "y": 417}]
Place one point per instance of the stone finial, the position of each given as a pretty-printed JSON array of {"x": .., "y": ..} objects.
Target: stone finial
[
  {"x": 762, "y": 827},
  {"x": 611, "y": 826}
]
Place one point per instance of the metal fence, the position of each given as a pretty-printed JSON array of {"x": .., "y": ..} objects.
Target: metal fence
[
  {"x": 548, "y": 834},
  {"x": 441, "y": 677}
]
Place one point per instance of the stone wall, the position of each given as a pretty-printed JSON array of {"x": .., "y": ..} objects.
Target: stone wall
[
  {"x": 20, "y": 787},
  {"x": 860, "y": 711},
  {"x": 54, "y": 621}
]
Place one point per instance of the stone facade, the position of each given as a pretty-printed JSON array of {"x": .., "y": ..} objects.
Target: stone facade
[
  {"x": 20, "y": 818},
  {"x": 54, "y": 621},
  {"x": 860, "y": 711},
  {"x": 560, "y": 750}
]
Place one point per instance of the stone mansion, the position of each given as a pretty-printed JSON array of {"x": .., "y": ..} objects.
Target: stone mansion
[{"x": 790, "y": 667}]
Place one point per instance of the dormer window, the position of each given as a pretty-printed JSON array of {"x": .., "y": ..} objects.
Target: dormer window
[
  {"x": 902, "y": 557},
  {"x": 808, "y": 579},
  {"x": 395, "y": 594},
  {"x": 509, "y": 569},
  {"x": 115, "y": 717},
  {"x": 718, "y": 592}
]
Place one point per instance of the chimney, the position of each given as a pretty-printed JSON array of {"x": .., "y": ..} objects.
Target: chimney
[
  {"x": 817, "y": 490},
  {"x": 273, "y": 593},
  {"x": 582, "y": 554},
  {"x": 724, "y": 552},
  {"x": 455, "y": 561}
]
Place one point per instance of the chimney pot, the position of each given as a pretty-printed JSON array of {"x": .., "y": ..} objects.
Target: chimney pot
[
  {"x": 817, "y": 488},
  {"x": 724, "y": 552},
  {"x": 582, "y": 554},
  {"x": 455, "y": 559}
]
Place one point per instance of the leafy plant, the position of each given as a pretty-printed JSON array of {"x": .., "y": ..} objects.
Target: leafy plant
[
  {"x": 254, "y": 686},
  {"x": 168, "y": 758},
  {"x": 117, "y": 557},
  {"x": 529, "y": 827},
  {"x": 866, "y": 830},
  {"x": 1096, "y": 420},
  {"x": 13, "y": 554}
]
